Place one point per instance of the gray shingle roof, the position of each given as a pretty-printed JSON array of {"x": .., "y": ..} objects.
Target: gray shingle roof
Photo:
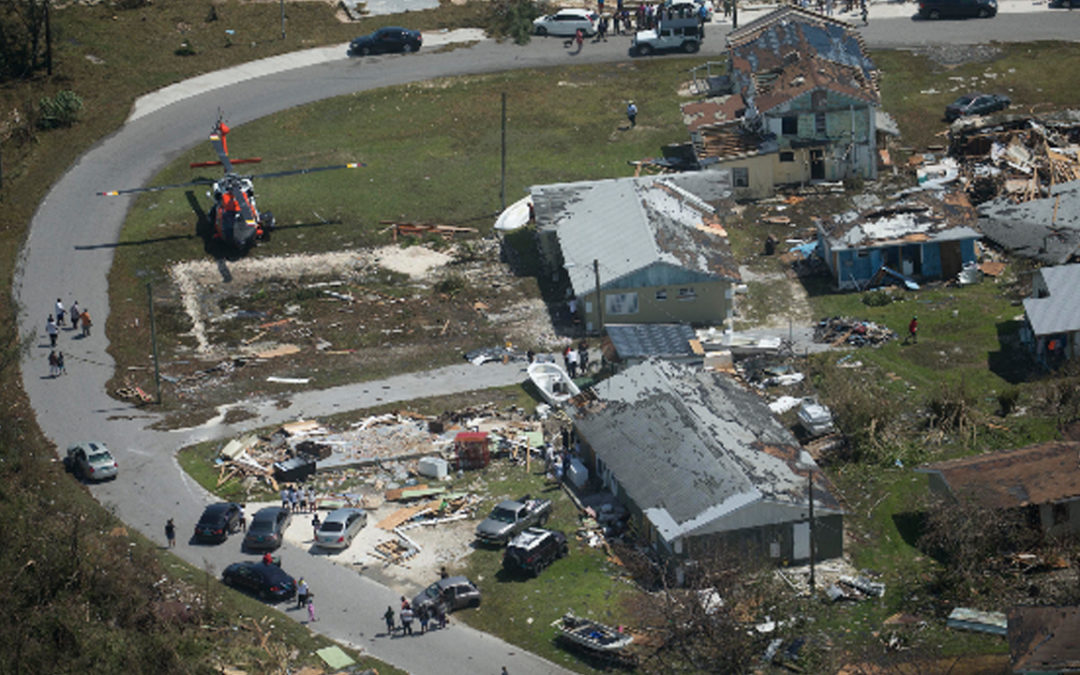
[
  {"x": 697, "y": 452},
  {"x": 1060, "y": 311},
  {"x": 1047, "y": 230},
  {"x": 630, "y": 224}
]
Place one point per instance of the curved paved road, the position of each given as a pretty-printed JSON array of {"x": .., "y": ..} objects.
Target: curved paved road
[{"x": 68, "y": 252}]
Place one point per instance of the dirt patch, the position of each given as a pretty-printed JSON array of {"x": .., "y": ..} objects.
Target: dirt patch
[
  {"x": 320, "y": 320},
  {"x": 951, "y": 56}
]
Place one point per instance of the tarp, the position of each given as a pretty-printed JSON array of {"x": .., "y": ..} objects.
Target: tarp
[{"x": 335, "y": 657}]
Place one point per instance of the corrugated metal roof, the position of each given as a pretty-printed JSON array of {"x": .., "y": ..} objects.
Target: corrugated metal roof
[
  {"x": 1060, "y": 311},
  {"x": 918, "y": 218},
  {"x": 640, "y": 340},
  {"x": 630, "y": 224},
  {"x": 697, "y": 452},
  {"x": 1047, "y": 230},
  {"x": 1038, "y": 474}
]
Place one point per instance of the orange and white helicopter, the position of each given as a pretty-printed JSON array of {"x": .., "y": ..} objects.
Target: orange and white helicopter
[{"x": 236, "y": 219}]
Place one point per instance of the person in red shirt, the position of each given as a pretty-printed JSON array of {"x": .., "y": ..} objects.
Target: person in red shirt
[{"x": 913, "y": 330}]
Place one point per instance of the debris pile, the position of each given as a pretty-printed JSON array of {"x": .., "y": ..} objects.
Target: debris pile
[
  {"x": 857, "y": 333},
  {"x": 1019, "y": 158},
  {"x": 837, "y": 578}
]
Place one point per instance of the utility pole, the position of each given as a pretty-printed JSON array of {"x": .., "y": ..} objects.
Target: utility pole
[
  {"x": 48, "y": 39},
  {"x": 282, "y": 19},
  {"x": 599, "y": 305},
  {"x": 810, "y": 483},
  {"x": 153, "y": 341},
  {"x": 502, "y": 184}
]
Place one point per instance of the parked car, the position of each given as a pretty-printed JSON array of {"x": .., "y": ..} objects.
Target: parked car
[
  {"x": 452, "y": 593},
  {"x": 566, "y": 22},
  {"x": 976, "y": 104},
  {"x": 339, "y": 528},
  {"x": 386, "y": 40},
  {"x": 266, "y": 582},
  {"x": 670, "y": 34},
  {"x": 91, "y": 461},
  {"x": 957, "y": 9},
  {"x": 511, "y": 517},
  {"x": 533, "y": 550},
  {"x": 1061, "y": 4},
  {"x": 267, "y": 529},
  {"x": 217, "y": 522}
]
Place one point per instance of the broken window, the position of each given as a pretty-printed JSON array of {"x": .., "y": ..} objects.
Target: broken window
[
  {"x": 740, "y": 176},
  {"x": 789, "y": 126},
  {"x": 687, "y": 294},
  {"x": 621, "y": 303},
  {"x": 661, "y": 294},
  {"x": 1061, "y": 514},
  {"x": 787, "y": 156},
  {"x": 819, "y": 124}
]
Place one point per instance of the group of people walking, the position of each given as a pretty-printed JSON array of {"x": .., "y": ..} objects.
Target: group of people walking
[
  {"x": 429, "y": 618},
  {"x": 55, "y": 322}
]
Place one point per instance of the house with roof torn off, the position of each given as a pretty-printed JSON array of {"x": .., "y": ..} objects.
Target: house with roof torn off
[
  {"x": 652, "y": 249},
  {"x": 1043, "y": 480},
  {"x": 927, "y": 236},
  {"x": 803, "y": 105},
  {"x": 1052, "y": 314},
  {"x": 703, "y": 466}
]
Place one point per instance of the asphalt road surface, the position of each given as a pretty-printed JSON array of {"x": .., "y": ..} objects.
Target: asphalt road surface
[{"x": 69, "y": 250}]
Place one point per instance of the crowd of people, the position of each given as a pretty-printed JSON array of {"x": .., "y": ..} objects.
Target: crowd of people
[{"x": 55, "y": 323}]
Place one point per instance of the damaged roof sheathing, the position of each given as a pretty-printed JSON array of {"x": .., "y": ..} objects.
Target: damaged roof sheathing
[{"x": 698, "y": 453}]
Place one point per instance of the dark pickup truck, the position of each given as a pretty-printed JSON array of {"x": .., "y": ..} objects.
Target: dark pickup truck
[{"x": 511, "y": 517}]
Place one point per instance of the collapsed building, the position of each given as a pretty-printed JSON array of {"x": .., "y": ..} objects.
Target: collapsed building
[
  {"x": 925, "y": 236},
  {"x": 800, "y": 104}
]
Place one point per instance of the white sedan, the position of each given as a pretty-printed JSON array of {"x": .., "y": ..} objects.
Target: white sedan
[{"x": 566, "y": 22}]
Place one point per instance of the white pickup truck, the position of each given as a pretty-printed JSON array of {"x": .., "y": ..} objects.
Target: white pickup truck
[{"x": 682, "y": 33}]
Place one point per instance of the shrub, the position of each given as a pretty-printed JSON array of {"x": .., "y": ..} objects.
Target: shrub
[
  {"x": 451, "y": 285},
  {"x": 61, "y": 110},
  {"x": 1007, "y": 400},
  {"x": 513, "y": 19},
  {"x": 878, "y": 298},
  {"x": 185, "y": 49}
]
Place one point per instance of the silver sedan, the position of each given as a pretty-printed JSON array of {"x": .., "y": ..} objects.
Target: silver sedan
[{"x": 340, "y": 527}]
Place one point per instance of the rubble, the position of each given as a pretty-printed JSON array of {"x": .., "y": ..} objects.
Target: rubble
[{"x": 854, "y": 332}]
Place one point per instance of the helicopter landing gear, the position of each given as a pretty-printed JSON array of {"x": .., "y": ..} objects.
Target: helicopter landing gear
[{"x": 266, "y": 224}]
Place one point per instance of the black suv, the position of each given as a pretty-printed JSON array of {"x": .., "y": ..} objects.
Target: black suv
[
  {"x": 533, "y": 550},
  {"x": 957, "y": 9}
]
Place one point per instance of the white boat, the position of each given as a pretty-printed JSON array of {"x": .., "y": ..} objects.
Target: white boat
[
  {"x": 515, "y": 216},
  {"x": 591, "y": 635},
  {"x": 554, "y": 384}
]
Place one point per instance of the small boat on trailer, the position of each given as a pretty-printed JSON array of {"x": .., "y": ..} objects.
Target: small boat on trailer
[
  {"x": 595, "y": 638},
  {"x": 553, "y": 382}
]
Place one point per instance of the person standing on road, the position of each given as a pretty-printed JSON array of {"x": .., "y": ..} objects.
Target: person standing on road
[
  {"x": 61, "y": 369},
  {"x": 311, "y": 611},
  {"x": 243, "y": 518},
  {"x": 579, "y": 38},
  {"x": 315, "y": 524},
  {"x": 440, "y": 615},
  {"x": 84, "y": 319},
  {"x": 75, "y": 313},
  {"x": 285, "y": 497},
  {"x": 301, "y": 593},
  {"x": 389, "y": 617},
  {"x": 51, "y": 330},
  {"x": 631, "y": 113},
  {"x": 422, "y": 615},
  {"x": 59, "y": 312},
  {"x": 170, "y": 532},
  {"x": 312, "y": 504},
  {"x": 53, "y": 369},
  {"x": 406, "y": 620}
]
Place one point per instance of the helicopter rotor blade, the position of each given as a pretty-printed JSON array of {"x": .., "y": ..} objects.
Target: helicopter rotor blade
[
  {"x": 156, "y": 188},
  {"x": 217, "y": 139},
  {"x": 249, "y": 160},
  {"x": 294, "y": 172}
]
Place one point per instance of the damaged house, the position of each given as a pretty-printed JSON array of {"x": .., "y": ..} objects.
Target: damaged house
[
  {"x": 703, "y": 466},
  {"x": 1043, "y": 480},
  {"x": 927, "y": 236},
  {"x": 653, "y": 247},
  {"x": 1052, "y": 314},
  {"x": 802, "y": 105},
  {"x": 1044, "y": 640}
]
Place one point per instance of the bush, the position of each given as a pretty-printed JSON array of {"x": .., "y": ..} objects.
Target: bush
[
  {"x": 61, "y": 110},
  {"x": 1007, "y": 400},
  {"x": 185, "y": 49},
  {"x": 877, "y": 298},
  {"x": 513, "y": 18},
  {"x": 451, "y": 285}
]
